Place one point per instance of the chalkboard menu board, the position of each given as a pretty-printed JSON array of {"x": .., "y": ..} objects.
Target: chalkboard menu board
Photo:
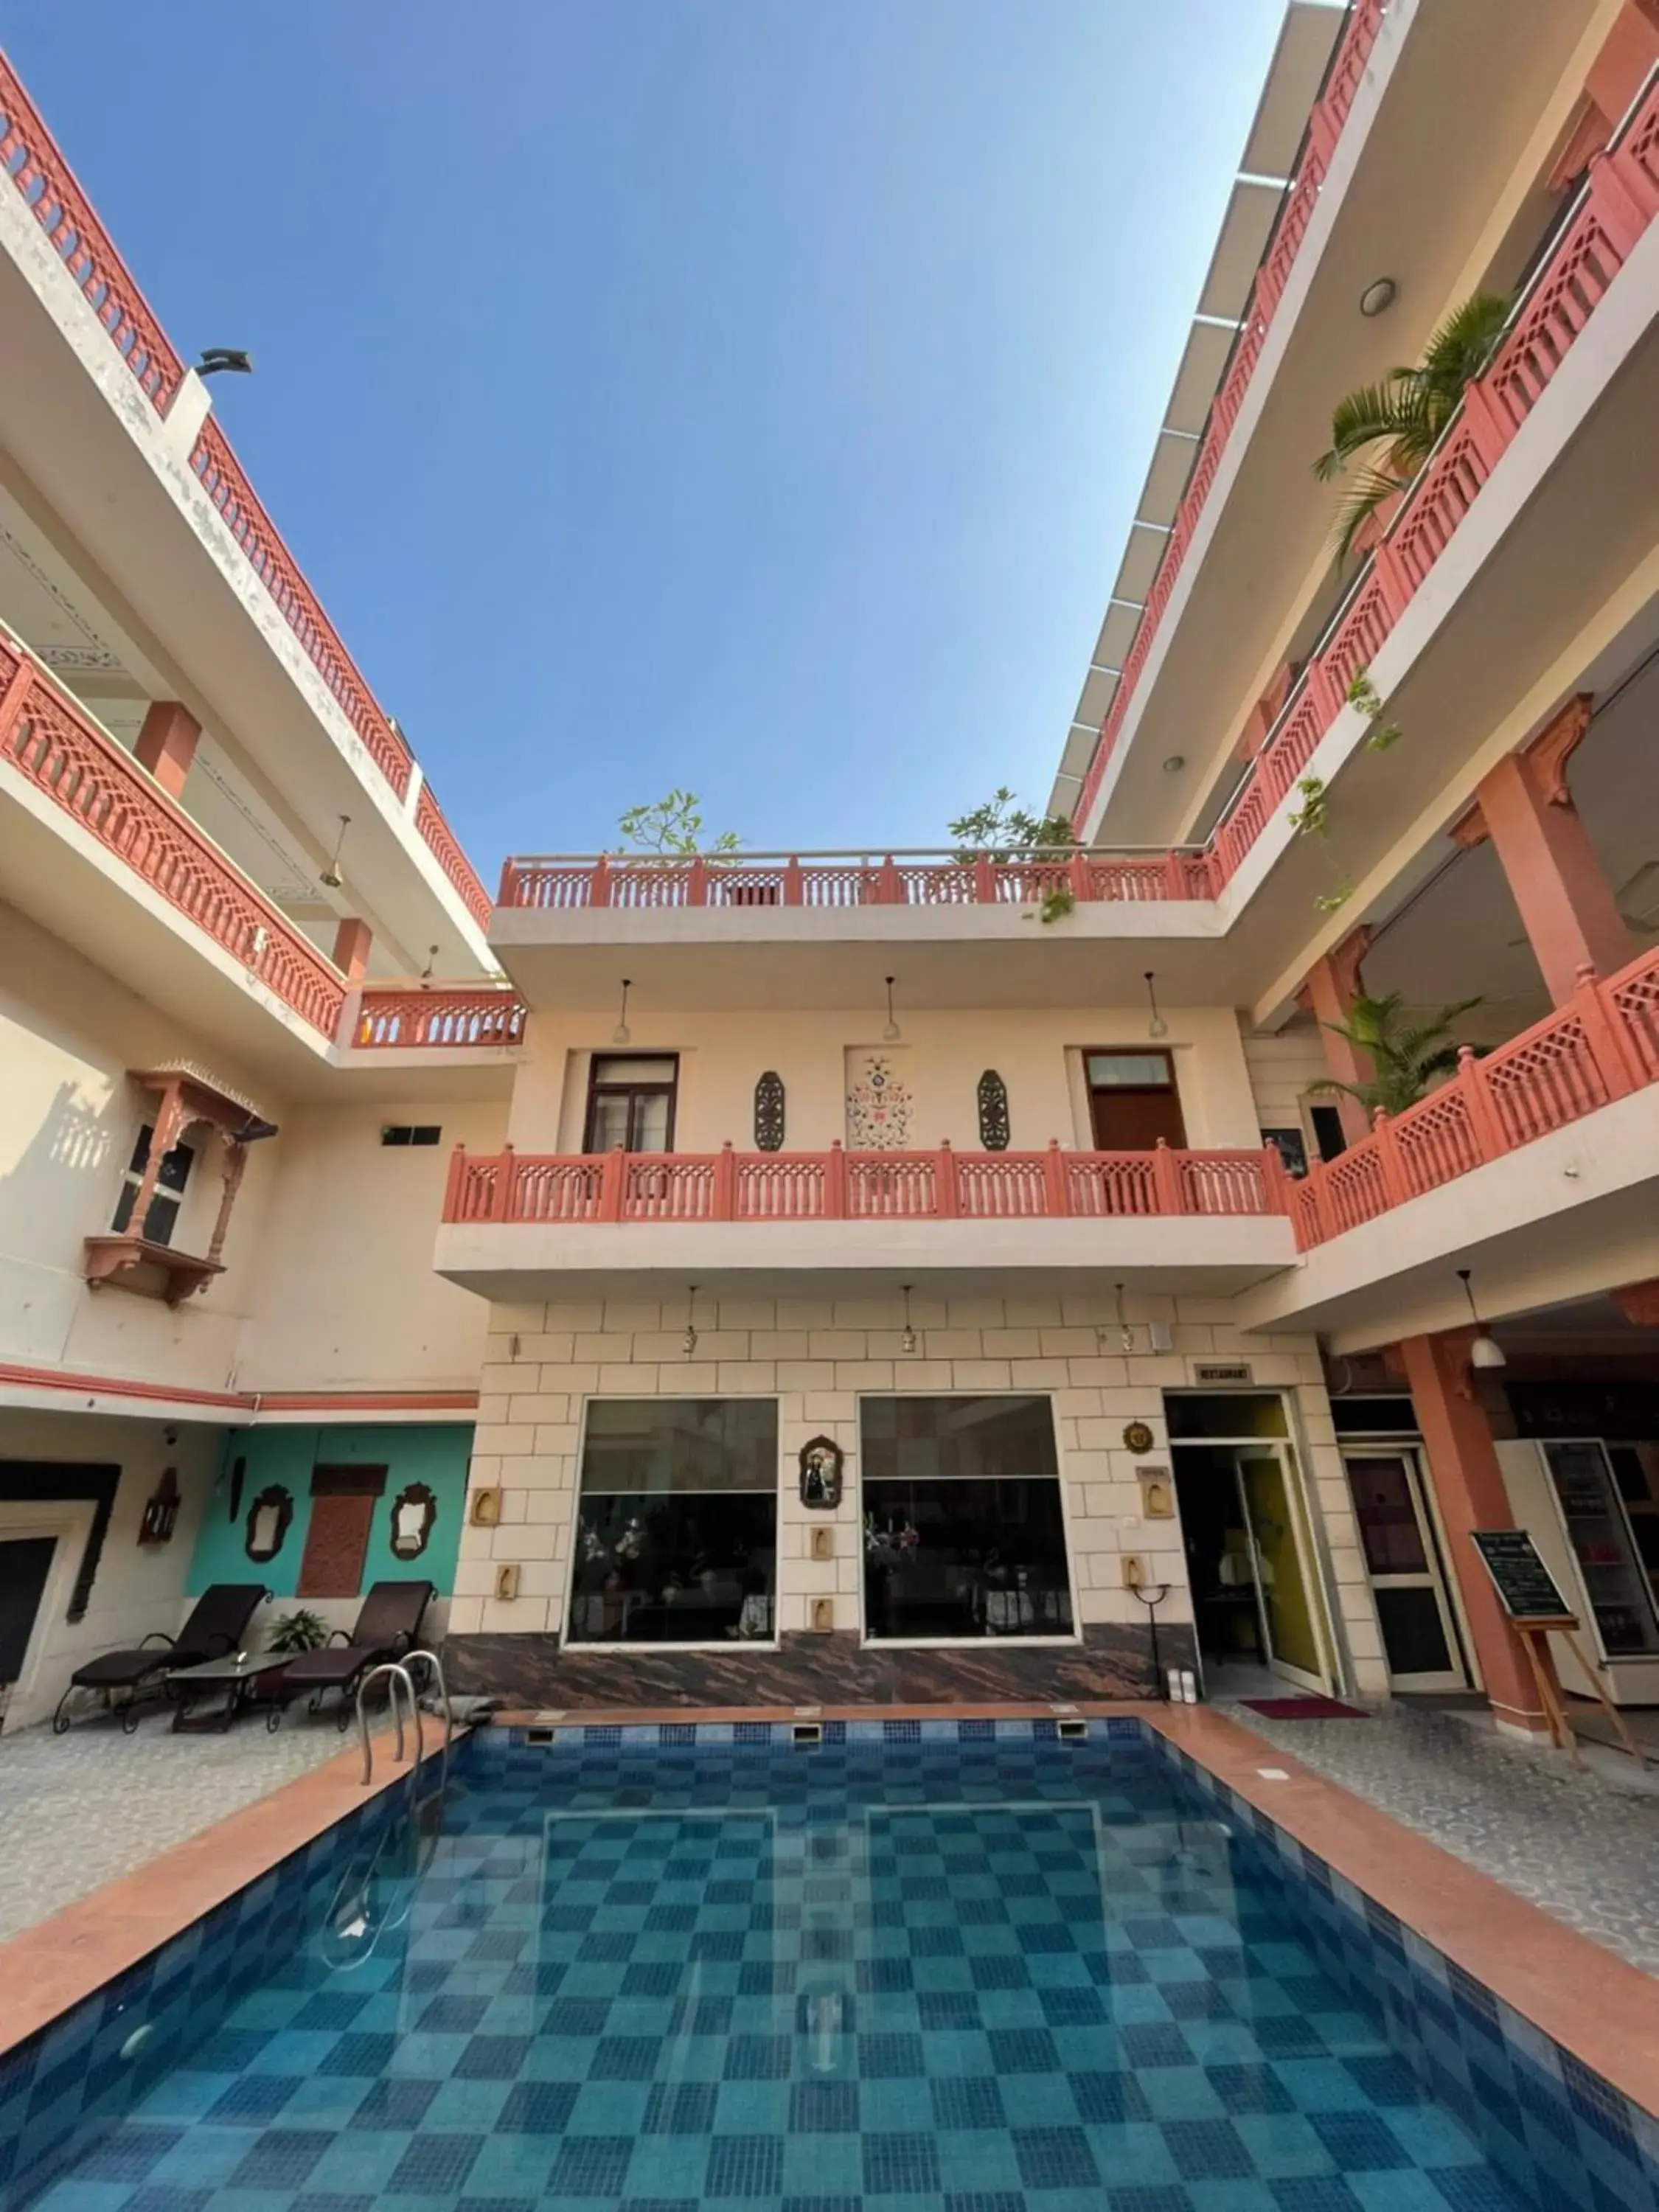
[{"x": 1522, "y": 1580}]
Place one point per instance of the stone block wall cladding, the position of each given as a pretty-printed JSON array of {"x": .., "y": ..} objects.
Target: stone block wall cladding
[{"x": 817, "y": 1358}]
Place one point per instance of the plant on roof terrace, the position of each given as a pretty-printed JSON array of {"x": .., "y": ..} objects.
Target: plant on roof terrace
[
  {"x": 1390, "y": 428},
  {"x": 1002, "y": 828},
  {"x": 673, "y": 824},
  {"x": 1408, "y": 1059}
]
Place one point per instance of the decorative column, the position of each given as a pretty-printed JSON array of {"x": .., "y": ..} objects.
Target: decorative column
[
  {"x": 352, "y": 941},
  {"x": 1332, "y": 987},
  {"x": 1468, "y": 1483},
  {"x": 167, "y": 744},
  {"x": 236, "y": 1166},
  {"x": 1565, "y": 902}
]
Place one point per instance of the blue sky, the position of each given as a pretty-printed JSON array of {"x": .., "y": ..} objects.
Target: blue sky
[{"x": 737, "y": 393}]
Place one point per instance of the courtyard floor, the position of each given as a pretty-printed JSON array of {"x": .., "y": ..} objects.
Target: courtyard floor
[
  {"x": 77, "y": 1810},
  {"x": 1581, "y": 1842}
]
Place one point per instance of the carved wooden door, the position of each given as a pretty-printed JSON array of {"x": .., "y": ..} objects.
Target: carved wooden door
[{"x": 336, "y": 1543}]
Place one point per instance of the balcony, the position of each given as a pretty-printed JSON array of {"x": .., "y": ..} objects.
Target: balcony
[
  {"x": 100, "y": 412},
  {"x": 513, "y": 1219}
]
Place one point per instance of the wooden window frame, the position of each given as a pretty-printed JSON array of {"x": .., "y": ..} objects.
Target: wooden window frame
[
  {"x": 632, "y": 1092},
  {"x": 1090, "y": 1090}
]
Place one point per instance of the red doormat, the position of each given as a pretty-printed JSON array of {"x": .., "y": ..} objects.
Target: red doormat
[{"x": 1304, "y": 1708}]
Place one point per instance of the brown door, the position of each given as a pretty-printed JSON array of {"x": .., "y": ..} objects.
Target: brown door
[
  {"x": 1132, "y": 1101},
  {"x": 337, "y": 1542}
]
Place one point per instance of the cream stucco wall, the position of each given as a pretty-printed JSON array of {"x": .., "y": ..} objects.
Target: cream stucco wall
[
  {"x": 138, "y": 1589},
  {"x": 942, "y": 1055},
  {"x": 328, "y": 1279},
  {"x": 816, "y": 1357}
]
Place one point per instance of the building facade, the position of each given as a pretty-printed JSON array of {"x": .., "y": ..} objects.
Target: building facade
[{"x": 894, "y": 1276}]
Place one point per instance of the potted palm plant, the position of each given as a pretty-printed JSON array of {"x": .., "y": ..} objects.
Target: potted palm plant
[{"x": 1409, "y": 1058}]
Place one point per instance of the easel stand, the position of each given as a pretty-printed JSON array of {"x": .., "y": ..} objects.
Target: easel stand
[{"x": 1532, "y": 1631}]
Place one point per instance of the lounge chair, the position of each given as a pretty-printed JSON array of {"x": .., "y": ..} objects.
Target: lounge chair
[
  {"x": 218, "y": 1623},
  {"x": 385, "y": 1628}
]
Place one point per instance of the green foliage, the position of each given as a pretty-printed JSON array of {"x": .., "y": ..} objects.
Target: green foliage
[
  {"x": 1311, "y": 818},
  {"x": 1334, "y": 900},
  {"x": 673, "y": 824},
  {"x": 1386, "y": 431},
  {"x": 299, "y": 1630},
  {"x": 1057, "y": 903},
  {"x": 1407, "y": 1059},
  {"x": 1364, "y": 694},
  {"x": 1002, "y": 828}
]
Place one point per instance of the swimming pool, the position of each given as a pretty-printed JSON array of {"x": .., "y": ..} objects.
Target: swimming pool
[{"x": 958, "y": 1965}]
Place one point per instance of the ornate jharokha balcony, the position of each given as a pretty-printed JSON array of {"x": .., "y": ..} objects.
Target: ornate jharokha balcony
[
  {"x": 842, "y": 1185},
  {"x": 1620, "y": 199},
  {"x": 47, "y": 739},
  {"x": 36, "y": 164},
  {"x": 1602, "y": 1048},
  {"x": 930, "y": 877}
]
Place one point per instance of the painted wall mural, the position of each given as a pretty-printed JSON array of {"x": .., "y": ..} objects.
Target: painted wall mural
[{"x": 878, "y": 1102}]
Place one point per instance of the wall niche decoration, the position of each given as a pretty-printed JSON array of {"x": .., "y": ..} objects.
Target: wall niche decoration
[
  {"x": 820, "y": 1463},
  {"x": 878, "y": 1102},
  {"x": 268, "y": 1519},
  {"x": 992, "y": 1112},
  {"x": 414, "y": 1510},
  {"x": 768, "y": 1113},
  {"x": 162, "y": 1511}
]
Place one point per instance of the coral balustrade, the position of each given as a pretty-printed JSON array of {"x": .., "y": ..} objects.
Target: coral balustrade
[
  {"x": 32, "y": 158},
  {"x": 1602, "y": 1046},
  {"x": 842, "y": 1185},
  {"x": 437, "y": 1019},
  {"x": 563, "y": 882},
  {"x": 1620, "y": 199},
  {"x": 47, "y": 738}
]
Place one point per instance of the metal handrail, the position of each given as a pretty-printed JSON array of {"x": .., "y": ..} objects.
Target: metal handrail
[
  {"x": 410, "y": 1660},
  {"x": 396, "y": 1671}
]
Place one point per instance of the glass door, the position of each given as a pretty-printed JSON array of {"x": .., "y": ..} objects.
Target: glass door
[
  {"x": 1403, "y": 1562},
  {"x": 1293, "y": 1640},
  {"x": 1610, "y": 1567}
]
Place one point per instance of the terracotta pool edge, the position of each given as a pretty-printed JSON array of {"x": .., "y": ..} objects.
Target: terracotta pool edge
[
  {"x": 1595, "y": 2005},
  {"x": 48, "y": 1969}
]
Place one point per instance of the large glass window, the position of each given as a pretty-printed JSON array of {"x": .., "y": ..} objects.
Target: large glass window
[
  {"x": 963, "y": 1535},
  {"x": 677, "y": 1524}
]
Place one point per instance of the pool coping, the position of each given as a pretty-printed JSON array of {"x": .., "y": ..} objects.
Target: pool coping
[{"x": 1596, "y": 2006}]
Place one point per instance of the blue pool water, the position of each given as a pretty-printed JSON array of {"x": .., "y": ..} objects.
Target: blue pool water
[{"x": 989, "y": 1976}]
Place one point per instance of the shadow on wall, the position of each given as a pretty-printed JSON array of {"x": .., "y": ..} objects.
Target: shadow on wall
[{"x": 64, "y": 1172}]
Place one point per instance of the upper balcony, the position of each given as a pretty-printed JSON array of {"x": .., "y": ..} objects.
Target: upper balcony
[
  {"x": 137, "y": 559},
  {"x": 1419, "y": 164}
]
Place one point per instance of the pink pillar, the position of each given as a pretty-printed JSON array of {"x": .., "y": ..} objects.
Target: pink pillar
[
  {"x": 167, "y": 744},
  {"x": 1565, "y": 902},
  {"x": 352, "y": 941},
  {"x": 1332, "y": 987},
  {"x": 1469, "y": 1485}
]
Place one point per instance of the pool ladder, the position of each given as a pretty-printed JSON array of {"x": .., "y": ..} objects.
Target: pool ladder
[{"x": 403, "y": 1671}]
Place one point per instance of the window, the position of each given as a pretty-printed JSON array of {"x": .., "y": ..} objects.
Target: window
[
  {"x": 630, "y": 1102},
  {"x": 1132, "y": 1101},
  {"x": 676, "y": 1535},
  {"x": 963, "y": 1535},
  {"x": 402, "y": 1132},
  {"x": 170, "y": 1178}
]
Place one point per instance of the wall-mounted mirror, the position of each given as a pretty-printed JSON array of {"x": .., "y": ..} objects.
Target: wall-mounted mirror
[
  {"x": 268, "y": 1519},
  {"x": 413, "y": 1512}
]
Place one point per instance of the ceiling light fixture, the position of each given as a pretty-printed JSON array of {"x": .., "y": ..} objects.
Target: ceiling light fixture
[
  {"x": 1378, "y": 297},
  {"x": 330, "y": 875},
  {"x": 1158, "y": 1027},
  {"x": 688, "y": 1341},
  {"x": 1176, "y": 762},
  {"x": 891, "y": 1032},
  {"x": 908, "y": 1341},
  {"x": 1485, "y": 1351},
  {"x": 621, "y": 1034},
  {"x": 427, "y": 972},
  {"x": 1126, "y": 1335}
]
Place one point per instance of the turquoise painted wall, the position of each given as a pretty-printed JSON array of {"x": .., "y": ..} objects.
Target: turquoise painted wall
[{"x": 437, "y": 1456}]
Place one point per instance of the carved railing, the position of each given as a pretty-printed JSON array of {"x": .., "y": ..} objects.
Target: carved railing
[
  {"x": 439, "y": 1019},
  {"x": 29, "y": 155},
  {"x": 934, "y": 878},
  {"x": 36, "y": 164},
  {"x": 945, "y": 1185},
  {"x": 1620, "y": 199},
  {"x": 47, "y": 738},
  {"x": 1600, "y": 1047}
]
